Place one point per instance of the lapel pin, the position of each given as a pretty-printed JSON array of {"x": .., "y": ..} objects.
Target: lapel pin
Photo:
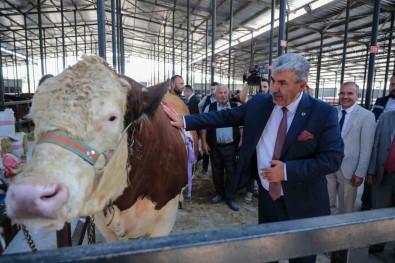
[{"x": 303, "y": 113}]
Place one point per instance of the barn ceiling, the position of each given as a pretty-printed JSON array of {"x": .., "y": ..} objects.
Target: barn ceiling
[{"x": 148, "y": 23}]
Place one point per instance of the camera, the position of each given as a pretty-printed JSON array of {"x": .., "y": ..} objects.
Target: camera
[{"x": 254, "y": 78}]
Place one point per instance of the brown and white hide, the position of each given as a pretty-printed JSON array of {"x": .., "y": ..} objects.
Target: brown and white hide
[{"x": 139, "y": 190}]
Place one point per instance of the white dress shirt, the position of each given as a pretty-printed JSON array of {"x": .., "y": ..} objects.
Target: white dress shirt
[
  {"x": 266, "y": 143},
  {"x": 224, "y": 135},
  {"x": 346, "y": 118},
  {"x": 390, "y": 105}
]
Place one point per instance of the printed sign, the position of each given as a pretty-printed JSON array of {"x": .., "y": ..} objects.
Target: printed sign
[{"x": 374, "y": 49}]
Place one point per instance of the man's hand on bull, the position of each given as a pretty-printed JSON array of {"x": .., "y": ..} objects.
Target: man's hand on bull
[{"x": 175, "y": 119}]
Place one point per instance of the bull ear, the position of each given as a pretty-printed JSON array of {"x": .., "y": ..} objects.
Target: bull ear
[
  {"x": 134, "y": 102},
  {"x": 153, "y": 96},
  {"x": 133, "y": 84}
]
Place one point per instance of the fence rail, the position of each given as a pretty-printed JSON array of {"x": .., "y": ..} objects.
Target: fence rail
[
  {"x": 254, "y": 243},
  {"x": 18, "y": 102}
]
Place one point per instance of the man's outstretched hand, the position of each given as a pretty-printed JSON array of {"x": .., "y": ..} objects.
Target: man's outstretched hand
[{"x": 175, "y": 119}]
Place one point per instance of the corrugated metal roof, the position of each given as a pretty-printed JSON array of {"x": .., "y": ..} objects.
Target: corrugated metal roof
[{"x": 146, "y": 22}]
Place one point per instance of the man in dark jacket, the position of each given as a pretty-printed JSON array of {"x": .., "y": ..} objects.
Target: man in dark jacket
[
  {"x": 207, "y": 100},
  {"x": 386, "y": 103},
  {"x": 191, "y": 100},
  {"x": 301, "y": 145}
]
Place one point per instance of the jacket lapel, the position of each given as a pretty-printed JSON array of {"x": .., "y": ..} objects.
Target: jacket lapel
[
  {"x": 392, "y": 128},
  {"x": 351, "y": 120},
  {"x": 302, "y": 114}
]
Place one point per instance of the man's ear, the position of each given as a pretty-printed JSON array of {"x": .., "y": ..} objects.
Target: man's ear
[
  {"x": 303, "y": 85},
  {"x": 359, "y": 95}
]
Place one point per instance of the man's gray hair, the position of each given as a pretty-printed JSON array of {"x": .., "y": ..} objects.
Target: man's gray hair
[
  {"x": 351, "y": 83},
  {"x": 221, "y": 86},
  {"x": 293, "y": 62}
]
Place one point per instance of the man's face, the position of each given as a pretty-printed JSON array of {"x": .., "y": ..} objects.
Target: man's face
[
  {"x": 392, "y": 87},
  {"x": 222, "y": 95},
  {"x": 212, "y": 88},
  {"x": 265, "y": 86},
  {"x": 348, "y": 95},
  {"x": 284, "y": 89},
  {"x": 187, "y": 93},
  {"x": 178, "y": 86}
]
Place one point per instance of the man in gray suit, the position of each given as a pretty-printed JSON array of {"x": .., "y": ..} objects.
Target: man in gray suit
[
  {"x": 381, "y": 173},
  {"x": 357, "y": 127}
]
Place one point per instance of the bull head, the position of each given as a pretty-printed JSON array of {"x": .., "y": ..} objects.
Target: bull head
[{"x": 89, "y": 103}]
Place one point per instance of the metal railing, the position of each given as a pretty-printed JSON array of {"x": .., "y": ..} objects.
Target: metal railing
[{"x": 254, "y": 243}]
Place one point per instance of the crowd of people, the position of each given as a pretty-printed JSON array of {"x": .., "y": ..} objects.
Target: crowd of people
[{"x": 307, "y": 157}]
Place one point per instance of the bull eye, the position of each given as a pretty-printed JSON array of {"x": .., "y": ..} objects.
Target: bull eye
[{"x": 112, "y": 118}]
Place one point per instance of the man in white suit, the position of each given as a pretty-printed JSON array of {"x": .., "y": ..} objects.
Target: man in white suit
[{"x": 357, "y": 127}]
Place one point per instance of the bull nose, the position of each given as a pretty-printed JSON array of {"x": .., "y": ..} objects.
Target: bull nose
[{"x": 26, "y": 200}]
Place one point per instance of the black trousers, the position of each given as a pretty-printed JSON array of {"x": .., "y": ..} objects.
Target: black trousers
[
  {"x": 274, "y": 211},
  {"x": 206, "y": 159},
  {"x": 223, "y": 167},
  {"x": 366, "y": 198}
]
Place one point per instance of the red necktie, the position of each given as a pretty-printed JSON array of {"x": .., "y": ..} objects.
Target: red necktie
[
  {"x": 275, "y": 187},
  {"x": 390, "y": 163}
]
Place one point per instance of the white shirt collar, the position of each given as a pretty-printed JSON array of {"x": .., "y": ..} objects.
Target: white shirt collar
[
  {"x": 349, "y": 109},
  {"x": 227, "y": 106},
  {"x": 293, "y": 105}
]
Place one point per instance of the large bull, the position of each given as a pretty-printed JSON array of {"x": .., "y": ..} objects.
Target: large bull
[{"x": 104, "y": 146}]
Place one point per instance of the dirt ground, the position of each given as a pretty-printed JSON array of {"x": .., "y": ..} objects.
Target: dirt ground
[{"x": 199, "y": 207}]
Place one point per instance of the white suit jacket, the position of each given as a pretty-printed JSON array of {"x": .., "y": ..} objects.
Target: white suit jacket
[{"x": 358, "y": 142}]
